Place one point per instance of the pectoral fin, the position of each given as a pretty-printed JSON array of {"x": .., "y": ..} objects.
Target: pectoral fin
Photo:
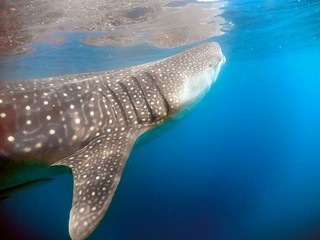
[{"x": 97, "y": 169}]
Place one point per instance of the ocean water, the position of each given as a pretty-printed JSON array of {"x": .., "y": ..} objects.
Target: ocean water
[{"x": 244, "y": 164}]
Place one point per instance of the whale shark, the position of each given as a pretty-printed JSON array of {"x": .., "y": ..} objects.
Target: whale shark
[{"x": 89, "y": 122}]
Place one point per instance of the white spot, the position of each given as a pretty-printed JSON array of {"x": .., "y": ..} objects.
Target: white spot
[
  {"x": 38, "y": 145},
  {"x": 10, "y": 138},
  {"x": 81, "y": 209},
  {"x": 52, "y": 131},
  {"x": 28, "y": 122},
  {"x": 77, "y": 120},
  {"x": 91, "y": 113},
  {"x": 28, "y": 107},
  {"x": 27, "y": 149},
  {"x": 45, "y": 102},
  {"x": 3, "y": 115},
  {"x": 74, "y": 137},
  {"x": 48, "y": 117},
  {"x": 1, "y": 101},
  {"x": 72, "y": 106}
]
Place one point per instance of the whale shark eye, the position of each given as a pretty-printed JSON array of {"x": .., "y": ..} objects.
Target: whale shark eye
[{"x": 211, "y": 65}]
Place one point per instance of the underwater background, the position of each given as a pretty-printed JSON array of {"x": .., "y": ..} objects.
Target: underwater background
[{"x": 244, "y": 164}]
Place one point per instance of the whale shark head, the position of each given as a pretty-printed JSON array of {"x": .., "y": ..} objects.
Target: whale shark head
[
  {"x": 204, "y": 64},
  {"x": 187, "y": 76}
]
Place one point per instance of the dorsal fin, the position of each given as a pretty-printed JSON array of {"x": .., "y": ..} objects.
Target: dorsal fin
[{"x": 97, "y": 169}]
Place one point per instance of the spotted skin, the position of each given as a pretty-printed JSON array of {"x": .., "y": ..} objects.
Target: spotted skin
[{"x": 89, "y": 122}]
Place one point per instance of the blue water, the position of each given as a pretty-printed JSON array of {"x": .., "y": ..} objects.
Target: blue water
[{"x": 243, "y": 165}]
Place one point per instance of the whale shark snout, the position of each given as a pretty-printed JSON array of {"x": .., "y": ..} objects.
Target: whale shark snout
[{"x": 206, "y": 61}]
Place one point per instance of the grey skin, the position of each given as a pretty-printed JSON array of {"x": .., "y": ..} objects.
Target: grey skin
[{"x": 89, "y": 122}]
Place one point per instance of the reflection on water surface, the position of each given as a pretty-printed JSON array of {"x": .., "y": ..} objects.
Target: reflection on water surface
[{"x": 162, "y": 23}]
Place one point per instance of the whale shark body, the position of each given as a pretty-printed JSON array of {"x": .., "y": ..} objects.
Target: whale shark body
[{"x": 89, "y": 122}]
